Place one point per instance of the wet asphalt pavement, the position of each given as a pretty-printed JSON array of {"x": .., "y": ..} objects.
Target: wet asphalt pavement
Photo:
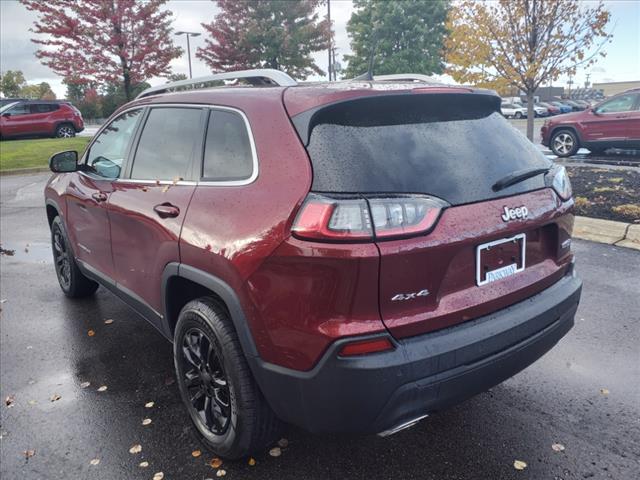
[{"x": 45, "y": 350}]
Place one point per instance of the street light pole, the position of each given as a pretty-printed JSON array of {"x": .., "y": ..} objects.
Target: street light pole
[
  {"x": 329, "y": 50},
  {"x": 188, "y": 34}
]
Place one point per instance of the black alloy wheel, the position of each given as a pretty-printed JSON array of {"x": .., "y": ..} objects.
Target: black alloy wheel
[
  {"x": 206, "y": 381},
  {"x": 61, "y": 258}
]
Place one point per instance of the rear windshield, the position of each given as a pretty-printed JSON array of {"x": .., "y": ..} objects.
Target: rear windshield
[{"x": 453, "y": 146}]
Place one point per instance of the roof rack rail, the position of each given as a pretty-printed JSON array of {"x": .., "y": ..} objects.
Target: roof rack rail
[
  {"x": 406, "y": 76},
  {"x": 261, "y": 76}
]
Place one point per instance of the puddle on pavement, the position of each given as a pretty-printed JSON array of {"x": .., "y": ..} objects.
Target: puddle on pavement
[{"x": 28, "y": 252}]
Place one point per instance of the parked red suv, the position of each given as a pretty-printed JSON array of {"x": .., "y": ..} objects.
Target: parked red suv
[
  {"x": 613, "y": 123},
  {"x": 345, "y": 257},
  {"x": 29, "y": 118}
]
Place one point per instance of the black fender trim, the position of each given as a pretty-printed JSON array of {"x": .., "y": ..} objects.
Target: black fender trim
[{"x": 224, "y": 291}]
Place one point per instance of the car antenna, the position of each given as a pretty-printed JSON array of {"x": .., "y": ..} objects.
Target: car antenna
[{"x": 368, "y": 75}]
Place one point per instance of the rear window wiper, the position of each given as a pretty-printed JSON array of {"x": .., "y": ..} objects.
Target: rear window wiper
[{"x": 518, "y": 176}]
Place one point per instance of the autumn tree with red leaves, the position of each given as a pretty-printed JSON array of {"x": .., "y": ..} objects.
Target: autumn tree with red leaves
[
  {"x": 280, "y": 34},
  {"x": 109, "y": 41}
]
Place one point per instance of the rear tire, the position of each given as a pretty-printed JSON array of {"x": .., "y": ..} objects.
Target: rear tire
[
  {"x": 518, "y": 115},
  {"x": 72, "y": 281},
  {"x": 564, "y": 143},
  {"x": 226, "y": 406},
  {"x": 65, "y": 130}
]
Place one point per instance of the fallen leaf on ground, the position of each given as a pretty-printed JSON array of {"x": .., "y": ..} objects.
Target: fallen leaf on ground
[
  {"x": 149, "y": 405},
  {"x": 108, "y": 321},
  {"x": 32, "y": 402},
  {"x": 103, "y": 388},
  {"x": 158, "y": 476},
  {"x": 84, "y": 384},
  {"x": 29, "y": 453},
  {"x": 136, "y": 449},
  {"x": 3, "y": 300},
  {"x": 252, "y": 461},
  {"x": 221, "y": 473},
  {"x": 169, "y": 381},
  {"x": 95, "y": 461},
  {"x": 604, "y": 391},
  {"x": 55, "y": 397},
  {"x": 519, "y": 465},
  {"x": 275, "y": 452},
  {"x": 215, "y": 462},
  {"x": 91, "y": 333},
  {"x": 31, "y": 382},
  {"x": 10, "y": 400},
  {"x": 196, "y": 453},
  {"x": 283, "y": 443},
  {"x": 143, "y": 464},
  {"x": 146, "y": 421},
  {"x": 557, "y": 447}
]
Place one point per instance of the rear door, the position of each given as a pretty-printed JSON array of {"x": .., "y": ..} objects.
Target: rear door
[
  {"x": 148, "y": 206},
  {"x": 39, "y": 117},
  {"x": 486, "y": 248},
  {"x": 89, "y": 190}
]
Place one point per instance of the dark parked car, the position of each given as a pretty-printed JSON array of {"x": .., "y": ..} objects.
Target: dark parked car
[
  {"x": 346, "y": 257},
  {"x": 575, "y": 106},
  {"x": 31, "y": 118},
  {"x": 614, "y": 123}
]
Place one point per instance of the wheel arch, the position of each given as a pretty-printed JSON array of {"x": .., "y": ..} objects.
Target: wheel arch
[
  {"x": 182, "y": 283},
  {"x": 63, "y": 122},
  {"x": 53, "y": 211},
  {"x": 571, "y": 128}
]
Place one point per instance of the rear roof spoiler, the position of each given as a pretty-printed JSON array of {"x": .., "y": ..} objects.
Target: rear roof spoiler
[{"x": 263, "y": 76}]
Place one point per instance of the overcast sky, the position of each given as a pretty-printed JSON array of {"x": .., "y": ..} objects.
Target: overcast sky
[{"x": 17, "y": 51}]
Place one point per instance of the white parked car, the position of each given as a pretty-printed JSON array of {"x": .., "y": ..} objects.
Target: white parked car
[{"x": 512, "y": 110}]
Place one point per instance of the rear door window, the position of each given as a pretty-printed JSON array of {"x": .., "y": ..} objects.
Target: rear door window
[
  {"x": 228, "y": 155},
  {"x": 167, "y": 144},
  {"x": 453, "y": 146}
]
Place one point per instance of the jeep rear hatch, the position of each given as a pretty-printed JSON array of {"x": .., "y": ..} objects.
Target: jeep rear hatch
[{"x": 429, "y": 177}]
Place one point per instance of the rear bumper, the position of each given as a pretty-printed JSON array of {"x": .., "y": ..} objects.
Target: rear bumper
[{"x": 424, "y": 374}]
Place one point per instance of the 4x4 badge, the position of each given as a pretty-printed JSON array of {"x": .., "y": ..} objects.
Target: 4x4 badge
[
  {"x": 410, "y": 296},
  {"x": 513, "y": 213}
]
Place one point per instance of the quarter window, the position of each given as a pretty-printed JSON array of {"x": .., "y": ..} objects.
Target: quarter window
[
  {"x": 227, "y": 154},
  {"x": 110, "y": 147},
  {"x": 167, "y": 144}
]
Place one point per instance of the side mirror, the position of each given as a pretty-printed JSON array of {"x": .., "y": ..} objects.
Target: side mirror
[{"x": 64, "y": 162}]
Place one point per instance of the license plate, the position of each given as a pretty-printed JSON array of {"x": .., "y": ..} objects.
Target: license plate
[{"x": 500, "y": 259}]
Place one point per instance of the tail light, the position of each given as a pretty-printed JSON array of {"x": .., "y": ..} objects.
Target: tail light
[
  {"x": 560, "y": 182},
  {"x": 366, "y": 218}
]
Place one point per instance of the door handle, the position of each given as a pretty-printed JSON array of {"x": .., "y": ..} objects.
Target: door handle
[
  {"x": 99, "y": 197},
  {"x": 166, "y": 210}
]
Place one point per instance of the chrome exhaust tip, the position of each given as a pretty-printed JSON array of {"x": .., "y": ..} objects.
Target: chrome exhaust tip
[{"x": 402, "y": 426}]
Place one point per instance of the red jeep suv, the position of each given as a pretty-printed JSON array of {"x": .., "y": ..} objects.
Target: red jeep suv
[
  {"x": 346, "y": 257},
  {"x": 613, "y": 123},
  {"x": 30, "y": 118}
]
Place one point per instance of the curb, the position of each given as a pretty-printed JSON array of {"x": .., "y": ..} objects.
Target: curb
[
  {"x": 23, "y": 171},
  {"x": 620, "y": 234}
]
